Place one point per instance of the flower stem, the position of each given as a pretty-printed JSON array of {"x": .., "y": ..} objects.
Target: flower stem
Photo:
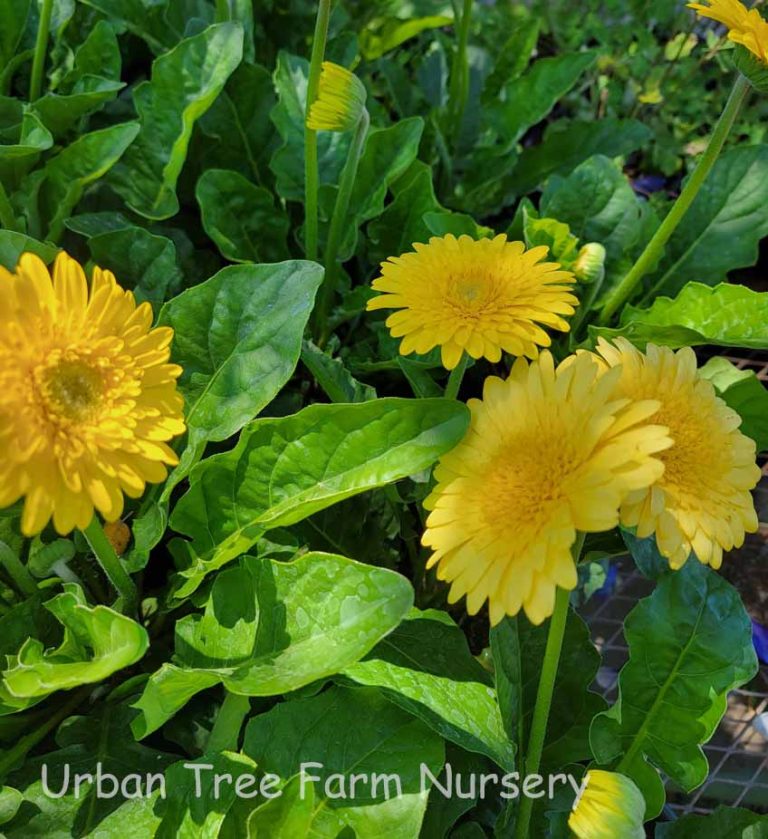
[
  {"x": 650, "y": 257},
  {"x": 111, "y": 565},
  {"x": 41, "y": 47},
  {"x": 223, "y": 12},
  {"x": 544, "y": 695},
  {"x": 17, "y": 571},
  {"x": 338, "y": 221},
  {"x": 7, "y": 216},
  {"x": 311, "y": 174},
  {"x": 229, "y": 720},
  {"x": 455, "y": 379},
  {"x": 460, "y": 72}
]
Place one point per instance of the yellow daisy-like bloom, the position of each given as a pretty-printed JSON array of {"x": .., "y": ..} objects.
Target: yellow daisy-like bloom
[
  {"x": 702, "y": 502},
  {"x": 340, "y": 100},
  {"x": 482, "y": 296},
  {"x": 745, "y": 26},
  {"x": 549, "y": 452},
  {"x": 611, "y": 807},
  {"x": 87, "y": 398}
]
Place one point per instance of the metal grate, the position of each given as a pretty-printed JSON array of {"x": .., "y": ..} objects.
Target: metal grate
[{"x": 738, "y": 751}]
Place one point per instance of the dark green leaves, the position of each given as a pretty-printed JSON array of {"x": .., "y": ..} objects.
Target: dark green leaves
[
  {"x": 386, "y": 741},
  {"x": 241, "y": 218},
  {"x": 184, "y": 83},
  {"x": 690, "y": 642},
  {"x": 283, "y": 470},
  {"x": 272, "y": 627}
]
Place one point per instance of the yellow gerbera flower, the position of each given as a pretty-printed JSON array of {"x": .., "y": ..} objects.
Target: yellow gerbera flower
[
  {"x": 745, "y": 26},
  {"x": 611, "y": 807},
  {"x": 482, "y": 296},
  {"x": 702, "y": 502},
  {"x": 87, "y": 398},
  {"x": 340, "y": 100},
  {"x": 549, "y": 452}
]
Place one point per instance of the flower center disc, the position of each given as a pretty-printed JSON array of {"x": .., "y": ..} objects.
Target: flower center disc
[{"x": 74, "y": 388}]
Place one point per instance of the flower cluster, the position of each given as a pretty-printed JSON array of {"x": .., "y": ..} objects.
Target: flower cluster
[
  {"x": 88, "y": 400},
  {"x": 615, "y": 436}
]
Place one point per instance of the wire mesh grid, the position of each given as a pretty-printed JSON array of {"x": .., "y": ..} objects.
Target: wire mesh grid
[{"x": 738, "y": 751}]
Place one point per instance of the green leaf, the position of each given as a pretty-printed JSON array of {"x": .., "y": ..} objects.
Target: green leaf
[
  {"x": 513, "y": 57},
  {"x": 183, "y": 85},
  {"x": 351, "y": 731},
  {"x": 425, "y": 666},
  {"x": 83, "y": 742},
  {"x": 23, "y": 138},
  {"x": 271, "y": 627},
  {"x": 287, "y": 162},
  {"x": 14, "y": 15},
  {"x": 745, "y": 393},
  {"x": 236, "y": 360},
  {"x": 567, "y": 142},
  {"x": 724, "y": 225},
  {"x": 10, "y": 801},
  {"x": 240, "y": 218},
  {"x": 690, "y": 642},
  {"x": 60, "y": 113},
  {"x": 599, "y": 205},
  {"x": 286, "y": 817},
  {"x": 84, "y": 161},
  {"x": 726, "y": 315},
  {"x": 13, "y": 245},
  {"x": 387, "y": 33},
  {"x": 518, "y": 651},
  {"x": 239, "y": 134},
  {"x": 283, "y": 470},
  {"x": 526, "y": 100},
  {"x": 144, "y": 20},
  {"x": 97, "y": 642},
  {"x": 724, "y": 822},
  {"x": 333, "y": 377},
  {"x": 98, "y": 55}
]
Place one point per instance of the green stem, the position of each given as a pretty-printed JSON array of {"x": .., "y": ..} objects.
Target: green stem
[
  {"x": 14, "y": 755},
  {"x": 7, "y": 216},
  {"x": 229, "y": 720},
  {"x": 17, "y": 571},
  {"x": 41, "y": 47},
  {"x": 455, "y": 379},
  {"x": 650, "y": 257},
  {"x": 223, "y": 12},
  {"x": 338, "y": 221},
  {"x": 311, "y": 174},
  {"x": 460, "y": 73},
  {"x": 113, "y": 568},
  {"x": 544, "y": 695}
]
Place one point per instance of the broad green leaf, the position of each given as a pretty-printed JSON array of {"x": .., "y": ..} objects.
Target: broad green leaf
[
  {"x": 98, "y": 55},
  {"x": 425, "y": 666},
  {"x": 60, "y": 113},
  {"x": 140, "y": 18},
  {"x": 271, "y": 627},
  {"x": 283, "y": 470},
  {"x": 599, "y": 205},
  {"x": 287, "y": 163},
  {"x": 13, "y": 245},
  {"x": 567, "y": 142},
  {"x": 690, "y": 642},
  {"x": 403, "y": 222},
  {"x": 724, "y": 822},
  {"x": 518, "y": 650},
  {"x": 183, "y": 85},
  {"x": 386, "y": 34},
  {"x": 513, "y": 57},
  {"x": 22, "y": 139},
  {"x": 726, "y": 315},
  {"x": 240, "y": 218},
  {"x": 97, "y": 642},
  {"x": 724, "y": 225},
  {"x": 333, "y": 377},
  {"x": 526, "y": 100},
  {"x": 14, "y": 15},
  {"x": 286, "y": 817},
  {"x": 104, "y": 738},
  {"x": 195, "y": 805},
  {"x": 235, "y": 359},
  {"x": 141, "y": 261},
  {"x": 745, "y": 393},
  {"x": 84, "y": 161},
  {"x": 237, "y": 128},
  {"x": 10, "y": 801},
  {"x": 350, "y": 731}
]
